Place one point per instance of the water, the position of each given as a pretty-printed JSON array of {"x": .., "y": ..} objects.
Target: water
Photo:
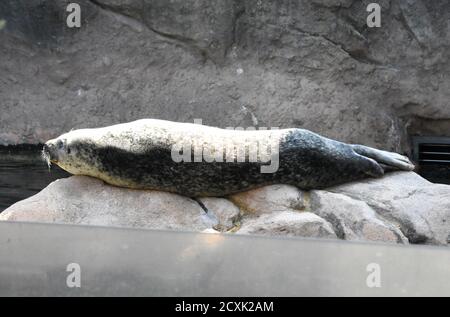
[{"x": 23, "y": 173}]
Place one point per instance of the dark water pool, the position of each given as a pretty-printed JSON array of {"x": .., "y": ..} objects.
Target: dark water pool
[{"x": 23, "y": 173}]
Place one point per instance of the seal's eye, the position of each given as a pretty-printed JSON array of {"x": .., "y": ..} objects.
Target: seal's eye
[
  {"x": 59, "y": 144},
  {"x": 68, "y": 150}
]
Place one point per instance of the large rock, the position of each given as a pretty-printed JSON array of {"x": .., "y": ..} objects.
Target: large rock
[
  {"x": 279, "y": 210},
  {"x": 288, "y": 223},
  {"x": 419, "y": 208},
  {"x": 400, "y": 207},
  {"x": 88, "y": 201},
  {"x": 224, "y": 211},
  {"x": 353, "y": 219},
  {"x": 269, "y": 199},
  {"x": 276, "y": 63}
]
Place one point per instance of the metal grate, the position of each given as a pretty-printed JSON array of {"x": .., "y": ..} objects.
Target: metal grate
[{"x": 432, "y": 154}]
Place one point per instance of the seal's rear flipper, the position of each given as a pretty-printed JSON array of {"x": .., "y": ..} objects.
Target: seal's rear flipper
[
  {"x": 391, "y": 160},
  {"x": 371, "y": 167},
  {"x": 388, "y": 168}
]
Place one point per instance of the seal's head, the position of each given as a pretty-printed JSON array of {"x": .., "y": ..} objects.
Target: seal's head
[
  {"x": 52, "y": 150},
  {"x": 72, "y": 152}
]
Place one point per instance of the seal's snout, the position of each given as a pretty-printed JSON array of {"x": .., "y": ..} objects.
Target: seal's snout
[
  {"x": 46, "y": 149},
  {"x": 49, "y": 152}
]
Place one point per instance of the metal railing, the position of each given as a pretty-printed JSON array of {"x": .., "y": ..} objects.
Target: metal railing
[{"x": 65, "y": 260}]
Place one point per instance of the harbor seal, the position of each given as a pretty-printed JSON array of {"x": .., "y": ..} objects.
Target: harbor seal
[{"x": 197, "y": 160}]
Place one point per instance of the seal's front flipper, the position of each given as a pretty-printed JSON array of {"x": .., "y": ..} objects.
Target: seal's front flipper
[{"x": 390, "y": 159}]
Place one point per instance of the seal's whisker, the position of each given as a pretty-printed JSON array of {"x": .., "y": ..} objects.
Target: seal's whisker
[{"x": 46, "y": 158}]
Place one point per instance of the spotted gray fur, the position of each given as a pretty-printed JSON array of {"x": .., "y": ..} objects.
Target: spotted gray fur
[{"x": 141, "y": 158}]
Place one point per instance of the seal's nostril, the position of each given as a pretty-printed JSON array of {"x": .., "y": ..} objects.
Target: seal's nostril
[{"x": 46, "y": 148}]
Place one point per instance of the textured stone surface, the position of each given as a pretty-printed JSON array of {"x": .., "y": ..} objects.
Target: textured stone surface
[
  {"x": 401, "y": 207},
  {"x": 310, "y": 64},
  {"x": 88, "y": 201},
  {"x": 269, "y": 199},
  {"x": 288, "y": 223},
  {"x": 419, "y": 208},
  {"x": 224, "y": 211},
  {"x": 354, "y": 219}
]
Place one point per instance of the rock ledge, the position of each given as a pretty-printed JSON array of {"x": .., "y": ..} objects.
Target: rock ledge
[{"x": 401, "y": 207}]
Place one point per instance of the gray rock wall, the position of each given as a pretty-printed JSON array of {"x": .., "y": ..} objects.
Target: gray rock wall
[{"x": 277, "y": 63}]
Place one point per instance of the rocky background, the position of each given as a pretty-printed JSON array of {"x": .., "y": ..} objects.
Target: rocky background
[
  {"x": 267, "y": 63},
  {"x": 312, "y": 64}
]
